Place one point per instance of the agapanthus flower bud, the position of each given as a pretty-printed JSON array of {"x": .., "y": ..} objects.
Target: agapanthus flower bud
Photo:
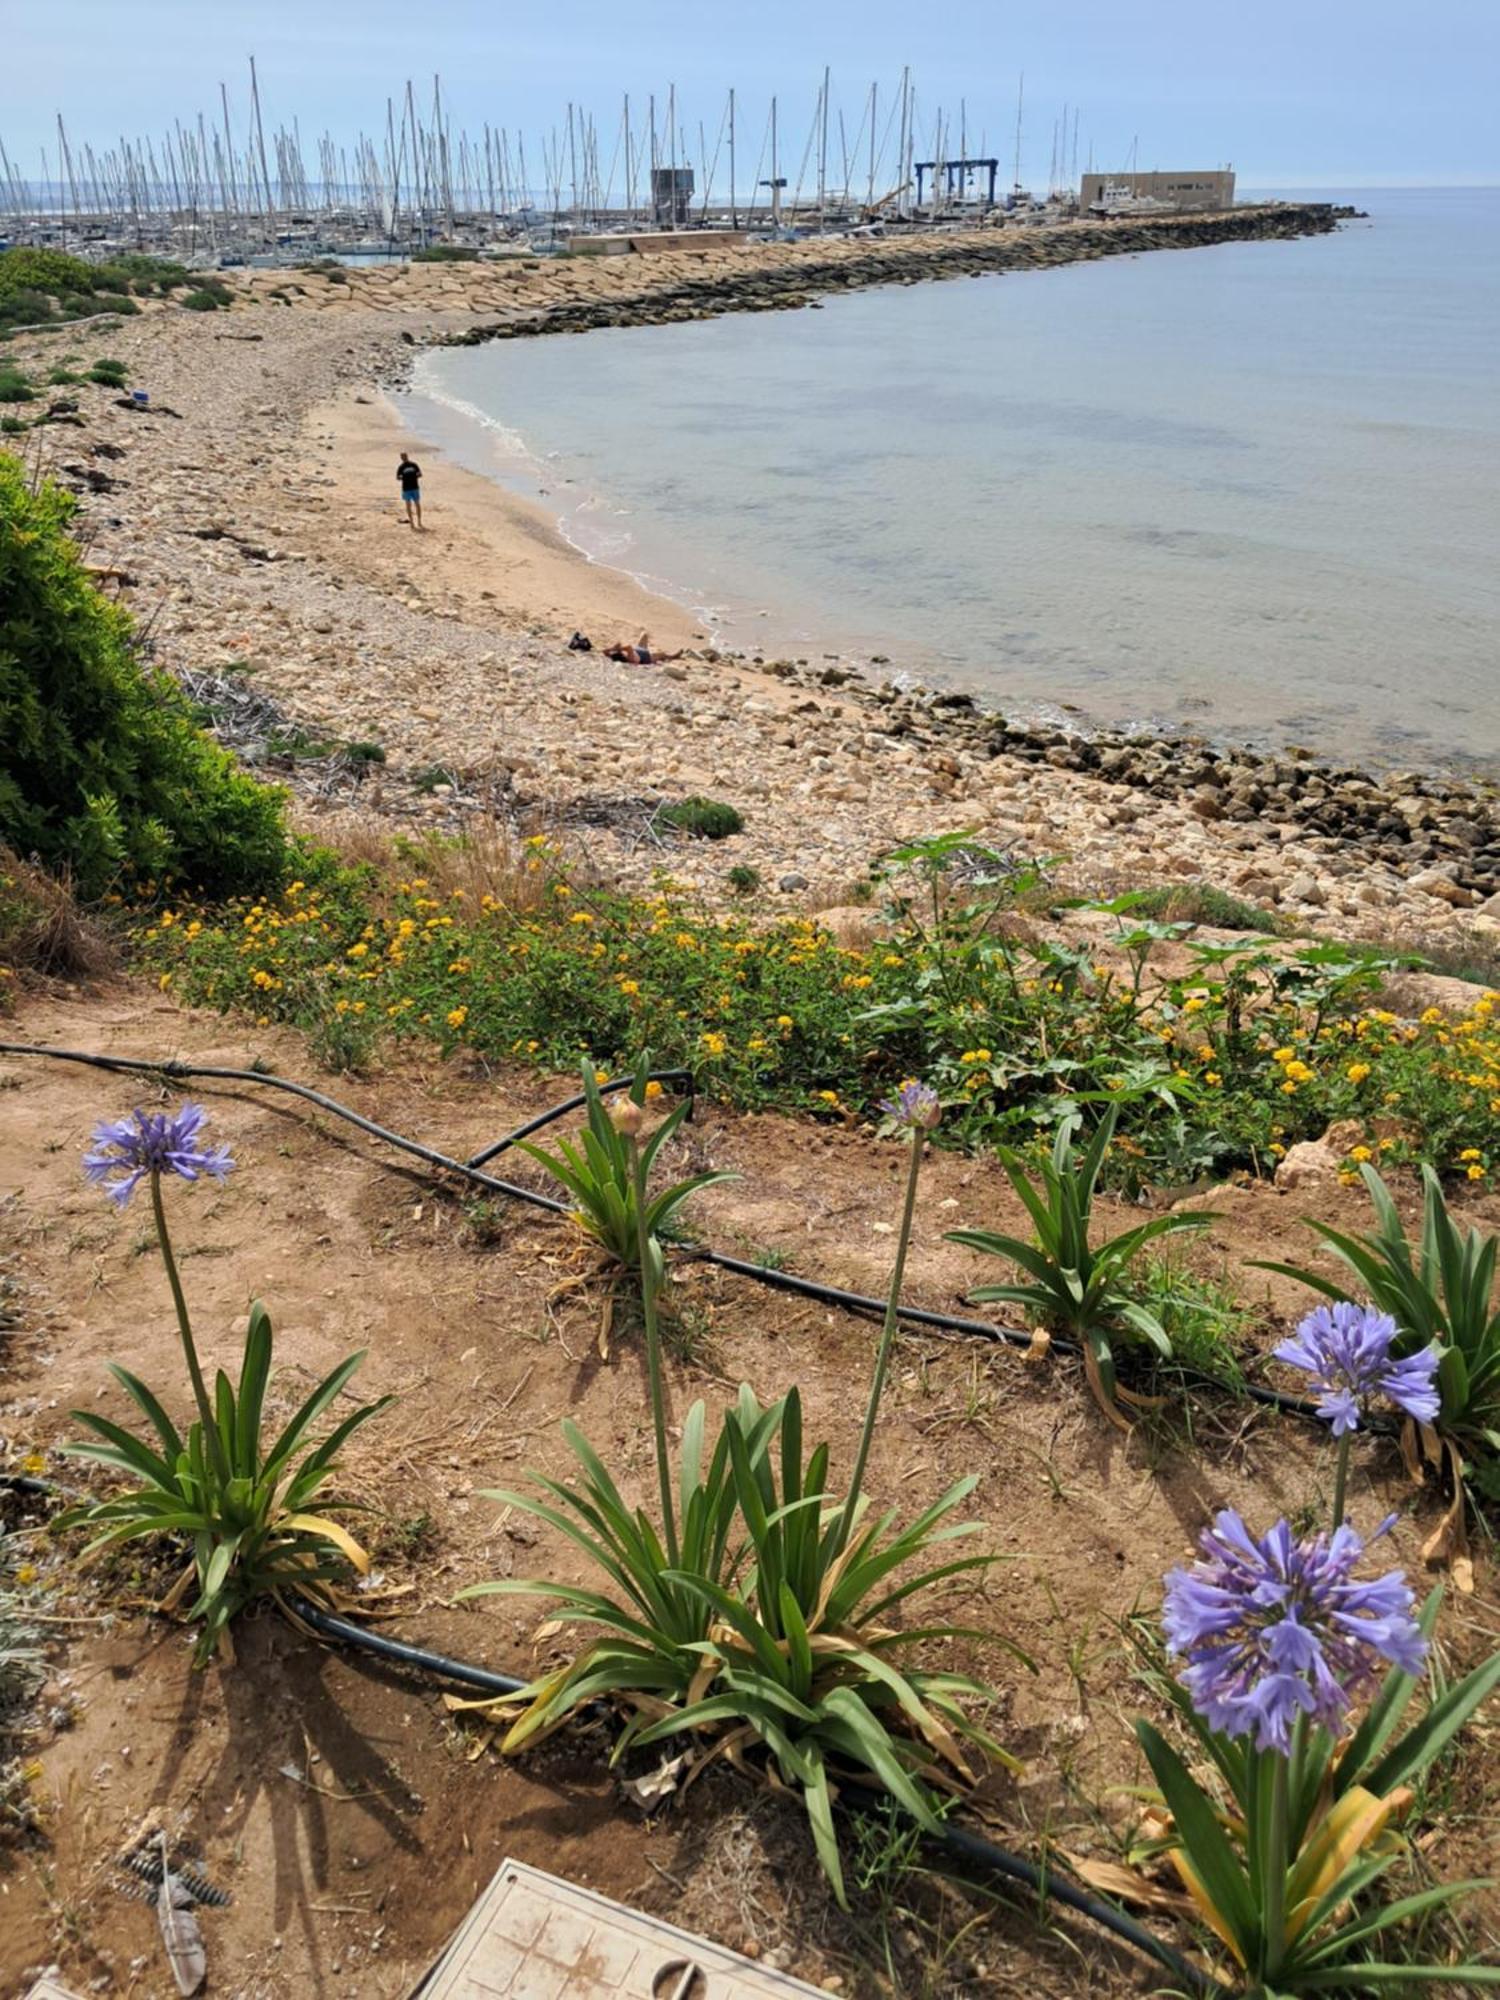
[
  {"x": 152, "y": 1142},
  {"x": 915, "y": 1107},
  {"x": 627, "y": 1117}
]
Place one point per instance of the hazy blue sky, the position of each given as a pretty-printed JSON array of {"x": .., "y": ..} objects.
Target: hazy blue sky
[{"x": 1292, "y": 92}]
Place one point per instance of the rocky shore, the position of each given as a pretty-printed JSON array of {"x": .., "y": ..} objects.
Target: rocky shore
[{"x": 236, "y": 514}]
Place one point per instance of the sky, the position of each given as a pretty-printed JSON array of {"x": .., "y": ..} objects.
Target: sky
[{"x": 1292, "y": 93}]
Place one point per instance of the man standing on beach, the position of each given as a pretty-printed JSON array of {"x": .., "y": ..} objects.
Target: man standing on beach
[{"x": 409, "y": 473}]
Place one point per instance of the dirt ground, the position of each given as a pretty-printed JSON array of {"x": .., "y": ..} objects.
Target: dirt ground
[{"x": 352, "y": 1817}]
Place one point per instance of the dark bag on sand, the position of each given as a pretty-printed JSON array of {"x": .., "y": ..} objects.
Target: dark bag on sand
[{"x": 579, "y": 644}]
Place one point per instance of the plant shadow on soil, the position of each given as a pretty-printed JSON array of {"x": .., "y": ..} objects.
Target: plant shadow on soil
[{"x": 352, "y": 1816}]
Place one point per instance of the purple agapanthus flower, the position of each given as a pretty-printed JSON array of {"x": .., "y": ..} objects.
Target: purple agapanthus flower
[
  {"x": 1346, "y": 1349},
  {"x": 152, "y": 1142},
  {"x": 915, "y": 1106},
  {"x": 1277, "y": 1628}
]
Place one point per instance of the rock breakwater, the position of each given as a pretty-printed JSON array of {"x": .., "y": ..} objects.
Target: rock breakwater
[{"x": 751, "y": 281}]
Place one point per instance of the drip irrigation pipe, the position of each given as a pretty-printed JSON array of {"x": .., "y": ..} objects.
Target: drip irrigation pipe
[
  {"x": 965, "y": 1846},
  {"x": 783, "y": 1281},
  {"x": 675, "y": 1076}
]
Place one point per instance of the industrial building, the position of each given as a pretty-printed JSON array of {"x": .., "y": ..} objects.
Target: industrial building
[{"x": 1132, "y": 193}]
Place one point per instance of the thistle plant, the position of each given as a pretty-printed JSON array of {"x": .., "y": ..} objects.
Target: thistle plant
[
  {"x": 756, "y": 1606},
  {"x": 243, "y": 1505},
  {"x": 1075, "y": 1286},
  {"x": 1280, "y": 1645}
]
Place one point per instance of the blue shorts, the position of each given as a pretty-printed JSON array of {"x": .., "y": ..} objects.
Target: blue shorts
[{"x": 412, "y": 493}]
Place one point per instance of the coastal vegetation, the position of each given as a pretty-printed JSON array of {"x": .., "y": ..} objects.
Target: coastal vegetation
[
  {"x": 44, "y": 287},
  {"x": 104, "y": 774},
  {"x": 1217, "y": 1056}
]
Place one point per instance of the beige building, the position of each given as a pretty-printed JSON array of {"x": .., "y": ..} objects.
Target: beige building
[{"x": 1126, "y": 192}]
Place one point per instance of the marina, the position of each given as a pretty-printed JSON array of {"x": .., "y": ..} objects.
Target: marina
[{"x": 230, "y": 187}]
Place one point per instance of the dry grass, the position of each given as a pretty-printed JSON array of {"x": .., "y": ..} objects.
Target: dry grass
[
  {"x": 43, "y": 932},
  {"x": 487, "y": 860}
]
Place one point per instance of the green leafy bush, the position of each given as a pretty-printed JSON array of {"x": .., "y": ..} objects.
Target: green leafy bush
[
  {"x": 444, "y": 253},
  {"x": 707, "y": 819},
  {"x": 109, "y": 374},
  {"x": 15, "y": 386},
  {"x": 1226, "y": 1059},
  {"x": 102, "y": 771},
  {"x": 38, "y": 286},
  {"x": 1076, "y": 1286},
  {"x": 205, "y": 300}
]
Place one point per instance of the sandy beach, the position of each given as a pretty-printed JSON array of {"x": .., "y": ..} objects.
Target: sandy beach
[{"x": 488, "y": 551}]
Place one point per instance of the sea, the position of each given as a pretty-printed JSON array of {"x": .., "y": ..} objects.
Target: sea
[{"x": 1250, "y": 490}]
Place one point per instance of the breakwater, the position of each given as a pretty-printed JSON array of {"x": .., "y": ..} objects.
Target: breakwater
[{"x": 692, "y": 285}]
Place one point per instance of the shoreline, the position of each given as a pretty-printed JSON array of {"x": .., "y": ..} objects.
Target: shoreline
[{"x": 262, "y": 529}]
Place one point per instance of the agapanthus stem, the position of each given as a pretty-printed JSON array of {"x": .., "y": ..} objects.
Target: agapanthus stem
[
  {"x": 212, "y": 1442},
  {"x": 1341, "y": 1477},
  {"x": 1276, "y": 1871},
  {"x": 887, "y": 1341},
  {"x": 653, "y": 1350}
]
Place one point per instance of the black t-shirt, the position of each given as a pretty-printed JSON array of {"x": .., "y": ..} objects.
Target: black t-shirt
[{"x": 410, "y": 475}]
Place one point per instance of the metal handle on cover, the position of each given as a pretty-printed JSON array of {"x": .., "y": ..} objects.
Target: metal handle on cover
[{"x": 688, "y": 1981}]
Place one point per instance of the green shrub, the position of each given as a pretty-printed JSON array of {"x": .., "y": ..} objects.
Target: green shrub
[
  {"x": 707, "y": 819},
  {"x": 63, "y": 378},
  {"x": 102, "y": 770},
  {"x": 110, "y": 374},
  {"x": 10, "y": 425},
  {"x": 743, "y": 879},
  {"x": 205, "y": 301},
  {"x": 15, "y": 387},
  {"x": 444, "y": 253},
  {"x": 1201, "y": 903}
]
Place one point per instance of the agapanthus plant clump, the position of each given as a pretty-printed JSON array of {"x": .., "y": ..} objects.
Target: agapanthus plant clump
[
  {"x": 240, "y": 1500},
  {"x": 1294, "y": 1674},
  {"x": 1069, "y": 1283},
  {"x": 753, "y": 1603},
  {"x": 609, "y": 1177}
]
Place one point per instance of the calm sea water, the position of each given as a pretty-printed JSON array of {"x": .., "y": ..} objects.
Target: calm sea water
[{"x": 1253, "y": 488}]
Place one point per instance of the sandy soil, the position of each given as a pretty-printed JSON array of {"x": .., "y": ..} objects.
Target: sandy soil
[
  {"x": 493, "y": 552},
  {"x": 338, "y": 1802}
]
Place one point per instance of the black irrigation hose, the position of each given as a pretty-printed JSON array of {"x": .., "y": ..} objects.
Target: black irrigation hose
[
  {"x": 964, "y": 1845},
  {"x": 576, "y": 1103},
  {"x": 784, "y": 1281}
]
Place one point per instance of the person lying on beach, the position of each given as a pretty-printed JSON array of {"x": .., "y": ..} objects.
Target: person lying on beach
[
  {"x": 409, "y": 473},
  {"x": 640, "y": 654}
]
